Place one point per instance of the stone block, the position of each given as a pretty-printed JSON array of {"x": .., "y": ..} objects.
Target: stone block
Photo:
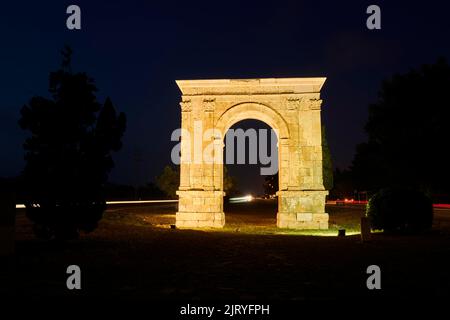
[
  {"x": 219, "y": 216},
  {"x": 323, "y": 225},
  {"x": 304, "y": 217},
  {"x": 282, "y": 224},
  {"x": 321, "y": 217}
]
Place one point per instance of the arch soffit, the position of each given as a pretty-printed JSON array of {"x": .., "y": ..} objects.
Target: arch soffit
[{"x": 253, "y": 110}]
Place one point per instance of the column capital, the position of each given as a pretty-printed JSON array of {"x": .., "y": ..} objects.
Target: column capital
[
  {"x": 186, "y": 105},
  {"x": 209, "y": 104}
]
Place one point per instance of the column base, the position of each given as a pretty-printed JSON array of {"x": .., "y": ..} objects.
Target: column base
[
  {"x": 200, "y": 220},
  {"x": 200, "y": 209},
  {"x": 302, "y": 209},
  {"x": 302, "y": 220}
]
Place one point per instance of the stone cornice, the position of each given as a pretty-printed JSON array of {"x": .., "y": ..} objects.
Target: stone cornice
[{"x": 251, "y": 86}]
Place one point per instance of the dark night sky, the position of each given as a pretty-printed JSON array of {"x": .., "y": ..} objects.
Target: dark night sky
[{"x": 136, "y": 49}]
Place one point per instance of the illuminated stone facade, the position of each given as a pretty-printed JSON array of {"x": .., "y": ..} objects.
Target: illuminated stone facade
[{"x": 292, "y": 107}]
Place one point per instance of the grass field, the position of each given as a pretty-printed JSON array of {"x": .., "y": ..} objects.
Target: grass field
[{"x": 134, "y": 254}]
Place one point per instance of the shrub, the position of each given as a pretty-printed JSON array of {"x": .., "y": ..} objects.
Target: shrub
[
  {"x": 400, "y": 210},
  {"x": 63, "y": 221}
]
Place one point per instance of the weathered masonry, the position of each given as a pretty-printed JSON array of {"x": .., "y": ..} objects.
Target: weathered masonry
[{"x": 292, "y": 107}]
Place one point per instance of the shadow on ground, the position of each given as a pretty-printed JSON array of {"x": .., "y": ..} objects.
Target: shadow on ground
[{"x": 135, "y": 255}]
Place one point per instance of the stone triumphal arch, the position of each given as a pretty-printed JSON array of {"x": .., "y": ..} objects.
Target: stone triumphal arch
[{"x": 291, "y": 106}]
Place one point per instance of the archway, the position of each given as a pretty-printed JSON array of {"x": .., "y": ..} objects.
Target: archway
[
  {"x": 250, "y": 158},
  {"x": 291, "y": 106}
]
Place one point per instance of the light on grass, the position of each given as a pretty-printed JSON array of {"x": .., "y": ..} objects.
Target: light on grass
[{"x": 317, "y": 233}]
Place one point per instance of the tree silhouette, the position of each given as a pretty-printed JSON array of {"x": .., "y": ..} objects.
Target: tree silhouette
[
  {"x": 408, "y": 133},
  {"x": 230, "y": 183},
  {"x": 271, "y": 185},
  {"x": 68, "y": 155},
  {"x": 327, "y": 163},
  {"x": 169, "y": 181}
]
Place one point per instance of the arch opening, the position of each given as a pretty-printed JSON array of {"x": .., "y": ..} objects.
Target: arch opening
[{"x": 250, "y": 174}]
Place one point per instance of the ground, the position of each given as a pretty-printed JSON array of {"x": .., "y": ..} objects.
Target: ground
[{"x": 134, "y": 254}]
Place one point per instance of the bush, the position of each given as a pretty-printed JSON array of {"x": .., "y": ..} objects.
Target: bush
[
  {"x": 64, "y": 221},
  {"x": 7, "y": 202},
  {"x": 400, "y": 210}
]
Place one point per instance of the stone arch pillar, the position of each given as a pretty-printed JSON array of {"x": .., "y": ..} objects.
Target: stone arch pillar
[{"x": 291, "y": 107}]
